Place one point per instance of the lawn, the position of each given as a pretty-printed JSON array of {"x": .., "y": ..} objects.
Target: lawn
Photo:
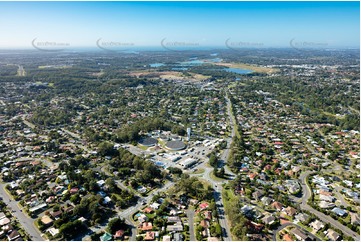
[
  {"x": 229, "y": 192},
  {"x": 150, "y": 215},
  {"x": 218, "y": 179},
  {"x": 143, "y": 147},
  {"x": 199, "y": 171},
  {"x": 254, "y": 68}
]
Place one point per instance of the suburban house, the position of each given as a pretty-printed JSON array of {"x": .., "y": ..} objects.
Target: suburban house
[
  {"x": 268, "y": 219},
  {"x": 119, "y": 234},
  {"x": 339, "y": 211},
  {"x": 257, "y": 195},
  {"x": 317, "y": 225},
  {"x": 276, "y": 205},
  {"x": 332, "y": 235},
  {"x": 355, "y": 219},
  {"x": 290, "y": 211},
  {"x": 146, "y": 226},
  {"x": 266, "y": 201},
  {"x": 299, "y": 234},
  {"x": 150, "y": 235},
  {"x": 302, "y": 217}
]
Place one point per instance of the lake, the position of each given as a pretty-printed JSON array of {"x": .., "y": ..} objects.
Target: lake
[
  {"x": 156, "y": 64},
  {"x": 179, "y": 68},
  {"x": 238, "y": 70},
  {"x": 191, "y": 63},
  {"x": 183, "y": 66}
]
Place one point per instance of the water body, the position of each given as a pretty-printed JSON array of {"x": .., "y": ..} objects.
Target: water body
[
  {"x": 234, "y": 70},
  {"x": 156, "y": 64},
  {"x": 179, "y": 68},
  {"x": 238, "y": 70},
  {"x": 192, "y": 63},
  {"x": 184, "y": 66},
  {"x": 215, "y": 60},
  {"x": 195, "y": 62}
]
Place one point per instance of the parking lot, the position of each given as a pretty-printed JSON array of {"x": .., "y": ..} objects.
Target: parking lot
[{"x": 197, "y": 150}]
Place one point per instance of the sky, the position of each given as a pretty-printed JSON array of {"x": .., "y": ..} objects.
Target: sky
[{"x": 172, "y": 24}]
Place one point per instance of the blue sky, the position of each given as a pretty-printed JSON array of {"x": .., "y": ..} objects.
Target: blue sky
[{"x": 269, "y": 24}]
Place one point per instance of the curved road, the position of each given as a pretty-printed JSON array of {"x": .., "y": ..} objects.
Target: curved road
[
  {"x": 292, "y": 224},
  {"x": 127, "y": 214},
  {"x": 327, "y": 219}
]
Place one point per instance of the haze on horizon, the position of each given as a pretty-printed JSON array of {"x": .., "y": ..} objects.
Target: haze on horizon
[{"x": 201, "y": 24}]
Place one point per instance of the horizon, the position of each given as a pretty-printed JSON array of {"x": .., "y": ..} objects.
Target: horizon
[
  {"x": 179, "y": 25},
  {"x": 162, "y": 49}
]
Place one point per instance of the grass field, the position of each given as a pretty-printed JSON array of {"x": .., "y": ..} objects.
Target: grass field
[
  {"x": 259, "y": 69},
  {"x": 218, "y": 179},
  {"x": 199, "y": 171}
]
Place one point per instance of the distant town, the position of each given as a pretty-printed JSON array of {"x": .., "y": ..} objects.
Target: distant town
[{"x": 180, "y": 146}]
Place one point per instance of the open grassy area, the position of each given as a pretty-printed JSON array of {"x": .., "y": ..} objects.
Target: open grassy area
[
  {"x": 199, "y": 171},
  {"x": 199, "y": 77},
  {"x": 228, "y": 198},
  {"x": 305, "y": 227},
  {"x": 150, "y": 215},
  {"x": 229, "y": 192},
  {"x": 259, "y": 69},
  {"x": 143, "y": 147},
  {"x": 161, "y": 142},
  {"x": 205, "y": 183},
  {"x": 212, "y": 176}
]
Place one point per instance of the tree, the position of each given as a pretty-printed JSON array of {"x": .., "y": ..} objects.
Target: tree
[
  {"x": 70, "y": 229},
  {"x": 213, "y": 160},
  {"x": 218, "y": 230},
  {"x": 175, "y": 170},
  {"x": 221, "y": 172},
  {"x": 115, "y": 224},
  {"x": 75, "y": 198},
  {"x": 106, "y": 148}
]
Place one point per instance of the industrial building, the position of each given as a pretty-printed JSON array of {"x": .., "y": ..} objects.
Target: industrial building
[{"x": 187, "y": 162}]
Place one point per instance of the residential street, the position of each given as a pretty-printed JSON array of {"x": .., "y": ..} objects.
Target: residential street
[
  {"x": 295, "y": 225},
  {"x": 190, "y": 215},
  {"x": 25, "y": 221},
  {"x": 340, "y": 196},
  {"x": 327, "y": 219}
]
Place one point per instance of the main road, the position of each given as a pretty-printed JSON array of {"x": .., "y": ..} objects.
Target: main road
[
  {"x": 26, "y": 222},
  {"x": 217, "y": 186},
  {"x": 327, "y": 219}
]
